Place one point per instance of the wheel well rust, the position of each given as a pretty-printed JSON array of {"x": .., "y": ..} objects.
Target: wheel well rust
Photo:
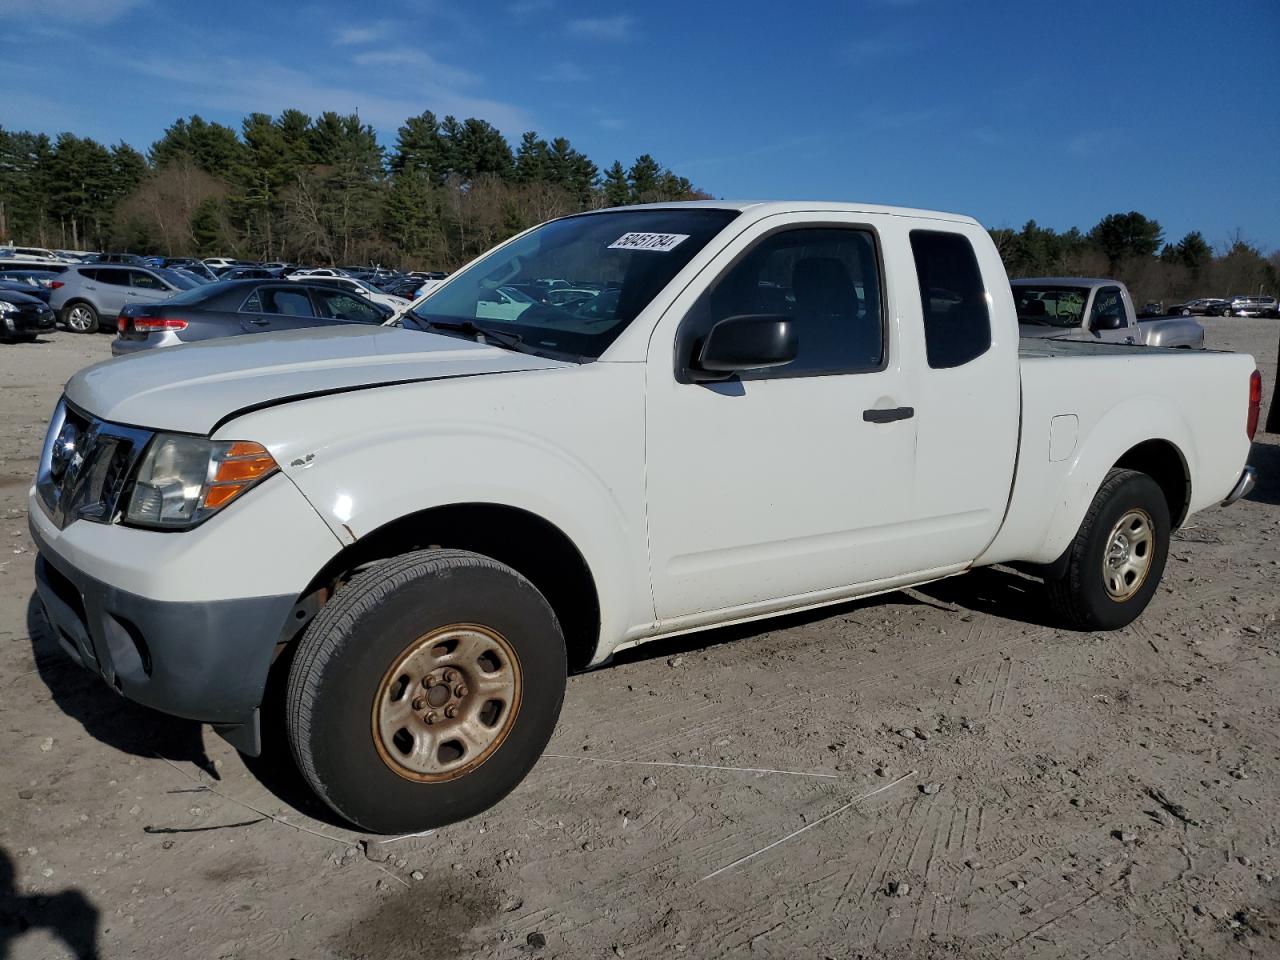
[
  {"x": 534, "y": 547},
  {"x": 1163, "y": 463}
]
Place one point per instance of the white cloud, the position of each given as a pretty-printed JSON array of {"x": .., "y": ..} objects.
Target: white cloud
[
  {"x": 432, "y": 69},
  {"x": 602, "y": 28},
  {"x": 79, "y": 11},
  {"x": 358, "y": 36},
  {"x": 242, "y": 86}
]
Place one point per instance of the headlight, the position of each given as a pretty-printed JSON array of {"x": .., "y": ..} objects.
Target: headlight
[
  {"x": 184, "y": 480},
  {"x": 6, "y": 307}
]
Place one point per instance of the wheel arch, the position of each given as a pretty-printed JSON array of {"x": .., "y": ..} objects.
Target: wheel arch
[
  {"x": 531, "y": 545},
  {"x": 1164, "y": 463}
]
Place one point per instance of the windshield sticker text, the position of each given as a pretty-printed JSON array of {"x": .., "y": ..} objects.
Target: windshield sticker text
[{"x": 659, "y": 242}]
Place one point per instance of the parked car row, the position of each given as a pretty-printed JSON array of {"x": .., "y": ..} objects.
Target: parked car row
[
  {"x": 1234, "y": 306},
  {"x": 90, "y": 292}
]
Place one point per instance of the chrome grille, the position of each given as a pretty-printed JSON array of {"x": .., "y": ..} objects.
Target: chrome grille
[{"x": 86, "y": 465}]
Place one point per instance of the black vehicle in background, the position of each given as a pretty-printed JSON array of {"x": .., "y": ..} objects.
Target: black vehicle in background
[
  {"x": 24, "y": 317},
  {"x": 250, "y": 273},
  {"x": 37, "y": 290}
]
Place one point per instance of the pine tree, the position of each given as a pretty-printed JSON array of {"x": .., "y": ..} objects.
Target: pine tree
[{"x": 616, "y": 188}]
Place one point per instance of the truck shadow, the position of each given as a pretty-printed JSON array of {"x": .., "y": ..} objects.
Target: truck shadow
[
  {"x": 716, "y": 636},
  {"x": 69, "y": 916},
  {"x": 1266, "y": 457},
  {"x": 105, "y": 715},
  {"x": 134, "y": 729},
  {"x": 990, "y": 590},
  {"x": 997, "y": 592}
]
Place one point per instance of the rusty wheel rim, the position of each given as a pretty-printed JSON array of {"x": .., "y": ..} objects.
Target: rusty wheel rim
[
  {"x": 1127, "y": 559},
  {"x": 447, "y": 703}
]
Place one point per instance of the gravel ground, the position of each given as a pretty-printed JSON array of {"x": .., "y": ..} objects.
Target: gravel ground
[{"x": 1041, "y": 793}]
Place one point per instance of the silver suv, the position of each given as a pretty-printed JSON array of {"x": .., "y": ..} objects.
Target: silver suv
[
  {"x": 1251, "y": 307},
  {"x": 89, "y": 297}
]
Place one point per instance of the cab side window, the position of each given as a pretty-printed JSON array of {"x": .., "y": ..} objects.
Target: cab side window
[
  {"x": 953, "y": 298},
  {"x": 825, "y": 280},
  {"x": 1108, "y": 310}
]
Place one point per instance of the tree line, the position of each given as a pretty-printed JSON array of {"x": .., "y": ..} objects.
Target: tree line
[
  {"x": 314, "y": 190},
  {"x": 324, "y": 190},
  {"x": 1132, "y": 247}
]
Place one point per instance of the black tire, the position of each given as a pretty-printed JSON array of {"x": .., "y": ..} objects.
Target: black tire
[
  {"x": 1081, "y": 597},
  {"x": 344, "y": 662},
  {"x": 81, "y": 317}
]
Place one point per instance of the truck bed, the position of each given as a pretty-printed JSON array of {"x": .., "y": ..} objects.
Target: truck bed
[
  {"x": 1048, "y": 347},
  {"x": 1079, "y": 402}
]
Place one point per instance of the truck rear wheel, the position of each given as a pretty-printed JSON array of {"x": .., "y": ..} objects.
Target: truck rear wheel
[
  {"x": 425, "y": 690},
  {"x": 1116, "y": 560}
]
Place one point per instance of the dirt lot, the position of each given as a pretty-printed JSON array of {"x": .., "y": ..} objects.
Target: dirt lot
[{"x": 1066, "y": 795}]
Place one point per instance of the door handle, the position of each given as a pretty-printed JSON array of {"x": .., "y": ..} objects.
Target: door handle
[
  {"x": 888, "y": 415},
  {"x": 259, "y": 323}
]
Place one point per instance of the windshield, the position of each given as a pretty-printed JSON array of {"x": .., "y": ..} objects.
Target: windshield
[
  {"x": 615, "y": 262},
  {"x": 1051, "y": 306}
]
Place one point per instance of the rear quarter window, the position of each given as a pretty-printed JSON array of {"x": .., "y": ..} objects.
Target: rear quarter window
[{"x": 953, "y": 298}]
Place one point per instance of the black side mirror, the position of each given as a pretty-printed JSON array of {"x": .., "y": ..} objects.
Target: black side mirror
[
  {"x": 745, "y": 342},
  {"x": 1108, "y": 321}
]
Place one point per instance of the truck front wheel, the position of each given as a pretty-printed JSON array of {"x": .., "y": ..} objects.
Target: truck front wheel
[
  {"x": 1115, "y": 562},
  {"x": 425, "y": 690}
]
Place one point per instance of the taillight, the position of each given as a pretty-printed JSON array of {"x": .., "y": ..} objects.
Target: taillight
[
  {"x": 122, "y": 324},
  {"x": 55, "y": 284},
  {"x": 156, "y": 324},
  {"x": 1255, "y": 404}
]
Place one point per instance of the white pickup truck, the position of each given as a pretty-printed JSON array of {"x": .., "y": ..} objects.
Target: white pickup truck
[
  {"x": 1084, "y": 308},
  {"x": 758, "y": 408}
]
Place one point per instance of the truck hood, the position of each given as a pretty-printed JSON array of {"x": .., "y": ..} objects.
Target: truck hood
[{"x": 193, "y": 388}]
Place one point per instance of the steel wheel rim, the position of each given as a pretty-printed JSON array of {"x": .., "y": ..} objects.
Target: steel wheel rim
[
  {"x": 79, "y": 320},
  {"x": 447, "y": 702},
  {"x": 1126, "y": 560}
]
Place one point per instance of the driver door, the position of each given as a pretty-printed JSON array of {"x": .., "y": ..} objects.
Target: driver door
[
  {"x": 792, "y": 482},
  {"x": 1108, "y": 318}
]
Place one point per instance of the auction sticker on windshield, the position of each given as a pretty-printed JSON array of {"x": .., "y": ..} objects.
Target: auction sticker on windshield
[{"x": 659, "y": 242}]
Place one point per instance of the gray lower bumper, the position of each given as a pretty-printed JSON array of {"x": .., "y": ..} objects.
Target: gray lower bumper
[
  {"x": 203, "y": 661},
  {"x": 1248, "y": 478}
]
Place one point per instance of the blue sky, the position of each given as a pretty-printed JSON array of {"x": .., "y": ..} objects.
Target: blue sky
[{"x": 1061, "y": 112}]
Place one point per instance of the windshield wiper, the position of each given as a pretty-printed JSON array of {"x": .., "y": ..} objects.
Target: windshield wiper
[
  {"x": 1037, "y": 321},
  {"x": 503, "y": 337}
]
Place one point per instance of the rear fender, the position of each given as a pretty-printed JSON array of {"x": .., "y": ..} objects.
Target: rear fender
[{"x": 1072, "y": 484}]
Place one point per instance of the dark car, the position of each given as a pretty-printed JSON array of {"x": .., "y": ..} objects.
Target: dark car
[
  {"x": 24, "y": 317},
  {"x": 35, "y": 276},
  {"x": 190, "y": 264},
  {"x": 230, "y": 308},
  {"x": 37, "y": 290},
  {"x": 402, "y": 288},
  {"x": 1199, "y": 307},
  {"x": 250, "y": 273}
]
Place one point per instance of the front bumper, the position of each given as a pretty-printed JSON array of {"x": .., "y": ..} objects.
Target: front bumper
[
  {"x": 184, "y": 622},
  {"x": 205, "y": 661},
  {"x": 28, "y": 321},
  {"x": 1248, "y": 478}
]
